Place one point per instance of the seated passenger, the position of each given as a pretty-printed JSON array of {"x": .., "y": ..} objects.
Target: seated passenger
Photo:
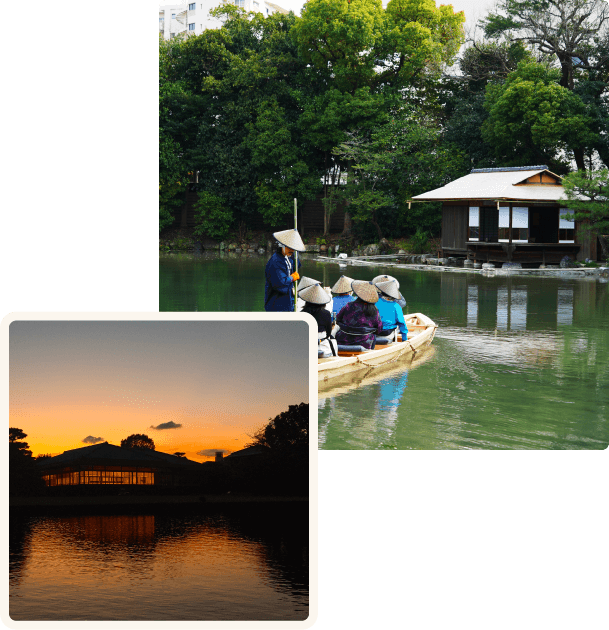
[
  {"x": 359, "y": 321},
  {"x": 315, "y": 300},
  {"x": 386, "y": 278},
  {"x": 303, "y": 284},
  {"x": 343, "y": 296},
  {"x": 389, "y": 309}
]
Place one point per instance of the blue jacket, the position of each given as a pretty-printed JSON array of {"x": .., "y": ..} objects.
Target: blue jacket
[
  {"x": 392, "y": 316},
  {"x": 340, "y": 301},
  {"x": 278, "y": 291}
]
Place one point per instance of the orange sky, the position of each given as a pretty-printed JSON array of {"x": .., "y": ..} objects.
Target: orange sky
[{"x": 219, "y": 380}]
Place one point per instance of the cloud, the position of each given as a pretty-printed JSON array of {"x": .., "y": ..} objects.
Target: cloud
[
  {"x": 211, "y": 452},
  {"x": 166, "y": 425},
  {"x": 92, "y": 440}
]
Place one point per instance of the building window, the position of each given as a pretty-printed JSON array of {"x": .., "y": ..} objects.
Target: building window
[
  {"x": 192, "y": 7},
  {"x": 474, "y": 224},
  {"x": 520, "y": 224},
  {"x": 191, "y": 27},
  {"x": 240, "y": 3},
  {"x": 566, "y": 228}
]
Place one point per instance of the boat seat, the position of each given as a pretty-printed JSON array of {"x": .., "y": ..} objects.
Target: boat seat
[
  {"x": 383, "y": 341},
  {"x": 342, "y": 348}
]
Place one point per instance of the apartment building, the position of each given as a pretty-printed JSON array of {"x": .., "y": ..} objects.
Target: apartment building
[{"x": 193, "y": 18}]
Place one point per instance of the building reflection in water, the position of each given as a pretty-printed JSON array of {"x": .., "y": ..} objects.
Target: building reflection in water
[
  {"x": 213, "y": 566},
  {"x": 505, "y": 307}
]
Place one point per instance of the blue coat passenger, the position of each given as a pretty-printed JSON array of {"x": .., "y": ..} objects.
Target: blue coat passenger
[
  {"x": 278, "y": 291},
  {"x": 391, "y": 316}
]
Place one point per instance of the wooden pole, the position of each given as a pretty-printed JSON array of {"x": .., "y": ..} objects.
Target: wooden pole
[{"x": 295, "y": 258}]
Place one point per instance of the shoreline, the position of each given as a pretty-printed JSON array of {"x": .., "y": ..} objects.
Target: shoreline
[
  {"x": 200, "y": 499},
  {"x": 592, "y": 273}
]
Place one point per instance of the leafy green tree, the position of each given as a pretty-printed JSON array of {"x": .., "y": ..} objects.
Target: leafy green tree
[
  {"x": 574, "y": 34},
  {"x": 357, "y": 43},
  {"x": 370, "y": 54},
  {"x": 532, "y": 119},
  {"x": 212, "y": 218},
  {"x": 588, "y": 195},
  {"x": 138, "y": 440},
  {"x": 399, "y": 159}
]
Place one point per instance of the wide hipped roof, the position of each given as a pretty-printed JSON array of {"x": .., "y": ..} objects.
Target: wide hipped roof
[
  {"x": 110, "y": 452},
  {"x": 497, "y": 184}
]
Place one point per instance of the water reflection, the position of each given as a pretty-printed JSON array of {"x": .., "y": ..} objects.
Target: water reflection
[
  {"x": 519, "y": 363},
  {"x": 476, "y": 303},
  {"x": 214, "y": 566}
]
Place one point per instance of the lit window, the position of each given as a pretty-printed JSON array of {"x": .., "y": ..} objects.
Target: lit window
[{"x": 191, "y": 27}]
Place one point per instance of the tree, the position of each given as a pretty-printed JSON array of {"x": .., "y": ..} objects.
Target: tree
[
  {"x": 288, "y": 430},
  {"x": 24, "y": 476},
  {"x": 593, "y": 213},
  {"x": 393, "y": 162},
  {"x": 574, "y": 33},
  {"x": 138, "y": 440},
  {"x": 532, "y": 119},
  {"x": 212, "y": 218},
  {"x": 180, "y": 454},
  {"x": 359, "y": 49}
]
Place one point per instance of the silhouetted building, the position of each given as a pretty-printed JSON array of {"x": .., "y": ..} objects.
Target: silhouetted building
[{"x": 112, "y": 465}]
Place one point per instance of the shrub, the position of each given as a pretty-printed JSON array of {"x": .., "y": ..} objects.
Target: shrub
[{"x": 212, "y": 218}]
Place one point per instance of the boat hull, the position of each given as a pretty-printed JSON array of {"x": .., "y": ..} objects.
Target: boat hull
[{"x": 425, "y": 328}]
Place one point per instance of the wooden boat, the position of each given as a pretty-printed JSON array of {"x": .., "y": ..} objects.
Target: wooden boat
[
  {"x": 421, "y": 331},
  {"x": 345, "y": 383}
]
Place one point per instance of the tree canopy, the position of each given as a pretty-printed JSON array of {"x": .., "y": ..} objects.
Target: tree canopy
[
  {"x": 290, "y": 429},
  {"x": 588, "y": 195},
  {"x": 138, "y": 440}
]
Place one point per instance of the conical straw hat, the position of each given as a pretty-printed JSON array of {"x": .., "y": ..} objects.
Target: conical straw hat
[
  {"x": 385, "y": 279},
  {"x": 306, "y": 282},
  {"x": 315, "y": 294},
  {"x": 365, "y": 290},
  {"x": 343, "y": 285},
  {"x": 390, "y": 288},
  {"x": 291, "y": 239}
]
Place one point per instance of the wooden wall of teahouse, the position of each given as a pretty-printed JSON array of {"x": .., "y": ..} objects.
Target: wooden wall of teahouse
[
  {"x": 310, "y": 216},
  {"x": 455, "y": 220}
]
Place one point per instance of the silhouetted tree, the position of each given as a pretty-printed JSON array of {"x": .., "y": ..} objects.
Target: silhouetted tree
[
  {"x": 178, "y": 454},
  {"x": 138, "y": 440},
  {"x": 24, "y": 476},
  {"x": 287, "y": 430}
]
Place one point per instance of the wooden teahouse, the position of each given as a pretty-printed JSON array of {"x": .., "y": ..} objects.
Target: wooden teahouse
[{"x": 512, "y": 214}]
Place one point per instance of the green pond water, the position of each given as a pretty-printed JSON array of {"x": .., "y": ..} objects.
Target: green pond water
[{"x": 517, "y": 363}]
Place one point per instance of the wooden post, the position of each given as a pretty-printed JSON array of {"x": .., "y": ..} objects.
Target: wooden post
[{"x": 510, "y": 243}]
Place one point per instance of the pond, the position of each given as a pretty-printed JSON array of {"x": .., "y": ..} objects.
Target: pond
[
  {"x": 219, "y": 564},
  {"x": 517, "y": 363}
]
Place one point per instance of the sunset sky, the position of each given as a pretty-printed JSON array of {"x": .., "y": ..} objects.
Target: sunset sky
[{"x": 75, "y": 383}]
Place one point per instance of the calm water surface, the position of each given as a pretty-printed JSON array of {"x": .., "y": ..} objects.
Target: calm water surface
[
  {"x": 213, "y": 566},
  {"x": 517, "y": 363}
]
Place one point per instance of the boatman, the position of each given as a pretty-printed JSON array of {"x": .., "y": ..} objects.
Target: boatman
[{"x": 281, "y": 273}]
